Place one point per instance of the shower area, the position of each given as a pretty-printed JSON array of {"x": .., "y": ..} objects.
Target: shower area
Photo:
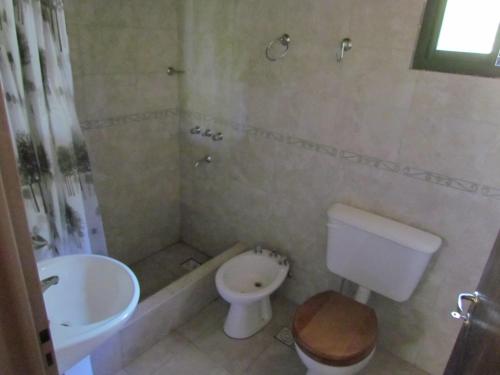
[
  {"x": 129, "y": 69},
  {"x": 164, "y": 91}
]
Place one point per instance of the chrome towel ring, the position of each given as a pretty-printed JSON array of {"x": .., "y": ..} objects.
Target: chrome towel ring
[{"x": 284, "y": 41}]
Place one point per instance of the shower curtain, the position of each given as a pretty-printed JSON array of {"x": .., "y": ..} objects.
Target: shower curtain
[{"x": 53, "y": 162}]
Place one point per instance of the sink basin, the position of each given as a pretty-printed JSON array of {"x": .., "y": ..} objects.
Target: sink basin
[{"x": 93, "y": 299}]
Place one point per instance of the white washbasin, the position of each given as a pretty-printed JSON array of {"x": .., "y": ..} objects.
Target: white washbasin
[{"x": 93, "y": 299}]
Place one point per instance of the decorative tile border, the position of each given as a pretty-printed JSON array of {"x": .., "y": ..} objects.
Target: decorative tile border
[
  {"x": 385, "y": 165},
  {"x": 455, "y": 183},
  {"x": 129, "y": 119}
]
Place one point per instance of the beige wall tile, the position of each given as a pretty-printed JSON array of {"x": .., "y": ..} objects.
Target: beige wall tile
[
  {"x": 452, "y": 146},
  {"x": 154, "y": 14},
  {"x": 269, "y": 192},
  {"x": 113, "y": 12},
  {"x": 386, "y": 24}
]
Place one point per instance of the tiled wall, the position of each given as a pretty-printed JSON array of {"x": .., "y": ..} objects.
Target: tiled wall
[
  {"x": 127, "y": 104},
  {"x": 305, "y": 132}
]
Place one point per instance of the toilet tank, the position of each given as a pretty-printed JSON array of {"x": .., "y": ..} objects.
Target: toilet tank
[{"x": 380, "y": 254}]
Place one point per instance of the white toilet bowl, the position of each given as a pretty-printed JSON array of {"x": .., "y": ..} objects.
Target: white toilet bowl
[
  {"x": 246, "y": 282},
  {"x": 317, "y": 368}
]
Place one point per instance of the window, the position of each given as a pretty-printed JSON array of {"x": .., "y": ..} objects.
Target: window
[{"x": 460, "y": 36}]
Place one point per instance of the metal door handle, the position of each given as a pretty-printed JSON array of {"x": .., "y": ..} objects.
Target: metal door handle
[{"x": 460, "y": 313}]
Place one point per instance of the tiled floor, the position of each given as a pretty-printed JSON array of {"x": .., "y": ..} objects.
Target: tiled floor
[
  {"x": 201, "y": 347},
  {"x": 165, "y": 266}
]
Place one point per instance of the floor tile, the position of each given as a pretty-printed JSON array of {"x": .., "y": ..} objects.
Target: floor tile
[
  {"x": 154, "y": 358},
  {"x": 283, "y": 312},
  {"x": 190, "y": 361},
  {"x": 384, "y": 363},
  {"x": 164, "y": 267},
  {"x": 201, "y": 347},
  {"x": 210, "y": 318},
  {"x": 152, "y": 276},
  {"x": 175, "y": 255},
  {"x": 207, "y": 334},
  {"x": 278, "y": 359}
]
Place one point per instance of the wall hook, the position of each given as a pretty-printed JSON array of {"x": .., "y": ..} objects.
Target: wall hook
[
  {"x": 345, "y": 45},
  {"x": 171, "y": 71}
]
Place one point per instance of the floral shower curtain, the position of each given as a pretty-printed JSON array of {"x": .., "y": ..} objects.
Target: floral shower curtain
[{"x": 53, "y": 163}]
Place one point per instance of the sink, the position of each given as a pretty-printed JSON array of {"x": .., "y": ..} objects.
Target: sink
[{"x": 93, "y": 298}]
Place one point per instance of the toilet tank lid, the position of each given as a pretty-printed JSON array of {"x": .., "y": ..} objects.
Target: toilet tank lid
[{"x": 390, "y": 229}]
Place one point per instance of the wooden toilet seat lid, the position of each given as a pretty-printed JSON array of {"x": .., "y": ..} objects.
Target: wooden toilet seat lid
[{"x": 335, "y": 330}]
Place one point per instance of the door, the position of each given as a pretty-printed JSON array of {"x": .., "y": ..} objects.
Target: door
[
  {"x": 25, "y": 344},
  {"x": 477, "y": 349}
]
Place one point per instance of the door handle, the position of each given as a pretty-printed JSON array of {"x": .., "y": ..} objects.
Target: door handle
[{"x": 460, "y": 312}]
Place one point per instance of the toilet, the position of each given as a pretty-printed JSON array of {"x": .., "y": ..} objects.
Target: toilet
[
  {"x": 335, "y": 334},
  {"x": 247, "y": 282}
]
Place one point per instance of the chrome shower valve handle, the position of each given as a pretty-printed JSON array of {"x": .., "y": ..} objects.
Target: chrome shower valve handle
[
  {"x": 218, "y": 137},
  {"x": 208, "y": 133},
  {"x": 195, "y": 130}
]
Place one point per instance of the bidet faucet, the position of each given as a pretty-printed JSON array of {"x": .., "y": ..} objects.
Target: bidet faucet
[
  {"x": 48, "y": 282},
  {"x": 258, "y": 249}
]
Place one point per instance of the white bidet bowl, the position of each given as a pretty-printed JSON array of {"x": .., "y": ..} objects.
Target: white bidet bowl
[{"x": 246, "y": 282}]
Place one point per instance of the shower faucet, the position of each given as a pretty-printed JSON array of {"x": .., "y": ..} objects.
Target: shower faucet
[
  {"x": 207, "y": 159},
  {"x": 218, "y": 137},
  {"x": 195, "y": 130}
]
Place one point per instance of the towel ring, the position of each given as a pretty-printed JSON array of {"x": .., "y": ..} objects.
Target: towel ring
[{"x": 284, "y": 40}]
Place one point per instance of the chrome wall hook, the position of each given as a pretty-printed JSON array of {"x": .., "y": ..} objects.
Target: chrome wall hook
[
  {"x": 284, "y": 40},
  {"x": 345, "y": 46},
  {"x": 172, "y": 71}
]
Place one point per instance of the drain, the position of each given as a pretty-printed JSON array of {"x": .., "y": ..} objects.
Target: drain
[
  {"x": 190, "y": 264},
  {"x": 258, "y": 285},
  {"x": 285, "y": 336}
]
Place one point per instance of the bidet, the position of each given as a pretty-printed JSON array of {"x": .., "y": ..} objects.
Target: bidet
[{"x": 246, "y": 282}]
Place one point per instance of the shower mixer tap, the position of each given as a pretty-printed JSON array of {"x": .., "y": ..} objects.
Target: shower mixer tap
[
  {"x": 218, "y": 137},
  {"x": 195, "y": 130},
  {"x": 207, "y": 159},
  {"x": 208, "y": 133}
]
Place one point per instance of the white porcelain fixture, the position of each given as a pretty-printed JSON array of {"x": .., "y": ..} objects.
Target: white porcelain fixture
[
  {"x": 316, "y": 368},
  {"x": 246, "y": 282},
  {"x": 378, "y": 254},
  {"x": 92, "y": 300}
]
